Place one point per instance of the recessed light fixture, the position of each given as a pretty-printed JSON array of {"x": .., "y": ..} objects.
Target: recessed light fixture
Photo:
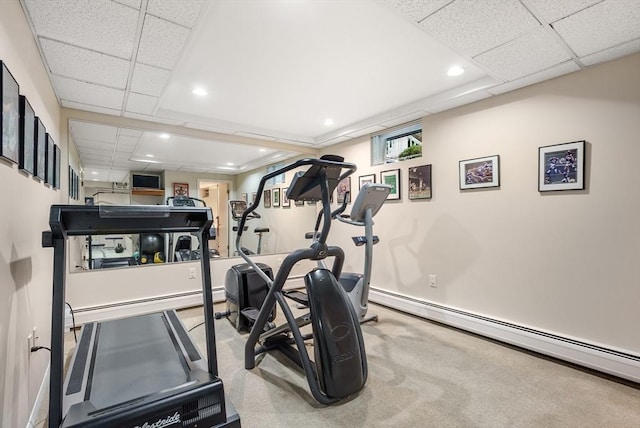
[
  {"x": 164, "y": 136},
  {"x": 456, "y": 70},
  {"x": 94, "y": 172},
  {"x": 262, "y": 150},
  {"x": 199, "y": 91},
  {"x": 149, "y": 155},
  {"x": 328, "y": 122},
  {"x": 229, "y": 163}
]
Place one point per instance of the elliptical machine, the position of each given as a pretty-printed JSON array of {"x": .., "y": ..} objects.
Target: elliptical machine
[
  {"x": 365, "y": 206},
  {"x": 339, "y": 368}
]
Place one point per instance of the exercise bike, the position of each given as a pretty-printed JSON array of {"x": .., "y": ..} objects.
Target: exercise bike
[
  {"x": 339, "y": 368},
  {"x": 182, "y": 250},
  {"x": 237, "y": 208},
  {"x": 365, "y": 206}
]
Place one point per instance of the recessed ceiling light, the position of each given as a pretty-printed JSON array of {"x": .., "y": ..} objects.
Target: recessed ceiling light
[
  {"x": 262, "y": 150},
  {"x": 229, "y": 163},
  {"x": 328, "y": 122},
  {"x": 149, "y": 155},
  {"x": 164, "y": 136},
  {"x": 456, "y": 70},
  {"x": 94, "y": 172},
  {"x": 199, "y": 91}
]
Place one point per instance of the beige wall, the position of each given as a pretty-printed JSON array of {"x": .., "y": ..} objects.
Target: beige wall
[
  {"x": 25, "y": 267},
  {"x": 563, "y": 262}
]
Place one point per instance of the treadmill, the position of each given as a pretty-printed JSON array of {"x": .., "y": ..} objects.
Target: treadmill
[{"x": 140, "y": 371}]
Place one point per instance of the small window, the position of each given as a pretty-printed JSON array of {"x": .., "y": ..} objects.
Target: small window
[
  {"x": 278, "y": 178},
  {"x": 397, "y": 145}
]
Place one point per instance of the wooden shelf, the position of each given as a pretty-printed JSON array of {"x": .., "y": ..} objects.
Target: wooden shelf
[{"x": 148, "y": 192}]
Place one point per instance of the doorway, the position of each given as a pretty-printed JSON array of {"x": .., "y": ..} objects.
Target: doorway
[{"x": 216, "y": 196}]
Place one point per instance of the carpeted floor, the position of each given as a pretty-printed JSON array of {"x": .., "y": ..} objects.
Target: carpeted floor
[{"x": 423, "y": 374}]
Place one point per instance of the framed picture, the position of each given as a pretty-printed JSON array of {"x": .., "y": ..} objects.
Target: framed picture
[
  {"x": 276, "y": 197},
  {"x": 10, "y": 118},
  {"x": 371, "y": 178},
  {"x": 27, "y": 136},
  {"x": 561, "y": 167},
  {"x": 76, "y": 187},
  {"x": 253, "y": 197},
  {"x": 72, "y": 183},
  {"x": 286, "y": 202},
  {"x": 48, "y": 160},
  {"x": 40, "y": 144},
  {"x": 344, "y": 189},
  {"x": 245, "y": 198},
  {"x": 392, "y": 178},
  {"x": 56, "y": 166},
  {"x": 267, "y": 198},
  {"x": 180, "y": 189},
  {"x": 420, "y": 182},
  {"x": 480, "y": 172}
]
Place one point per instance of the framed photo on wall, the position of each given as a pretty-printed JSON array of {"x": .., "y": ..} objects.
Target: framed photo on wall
[
  {"x": 561, "y": 167},
  {"x": 371, "y": 178},
  {"x": 267, "y": 198},
  {"x": 180, "y": 189},
  {"x": 48, "y": 159},
  {"x": 480, "y": 172},
  {"x": 286, "y": 202},
  {"x": 392, "y": 178},
  {"x": 40, "y": 167},
  {"x": 27, "y": 136},
  {"x": 420, "y": 182},
  {"x": 10, "y": 117},
  {"x": 344, "y": 190},
  {"x": 56, "y": 166},
  {"x": 276, "y": 197}
]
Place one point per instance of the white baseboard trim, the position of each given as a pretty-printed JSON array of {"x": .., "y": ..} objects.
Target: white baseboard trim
[
  {"x": 42, "y": 392},
  {"x": 621, "y": 364}
]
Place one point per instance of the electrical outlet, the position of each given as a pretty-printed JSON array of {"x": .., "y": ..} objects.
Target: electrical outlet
[
  {"x": 192, "y": 273},
  {"x": 433, "y": 281}
]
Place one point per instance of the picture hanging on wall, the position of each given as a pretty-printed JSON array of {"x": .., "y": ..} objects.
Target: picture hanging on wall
[
  {"x": 392, "y": 178},
  {"x": 245, "y": 198},
  {"x": 561, "y": 167},
  {"x": 27, "y": 136},
  {"x": 72, "y": 181},
  {"x": 363, "y": 179},
  {"x": 480, "y": 172},
  {"x": 180, "y": 189},
  {"x": 49, "y": 171},
  {"x": 10, "y": 118},
  {"x": 77, "y": 188},
  {"x": 286, "y": 202},
  {"x": 253, "y": 197},
  {"x": 56, "y": 166},
  {"x": 267, "y": 198},
  {"x": 344, "y": 189},
  {"x": 40, "y": 166},
  {"x": 276, "y": 197},
  {"x": 420, "y": 182}
]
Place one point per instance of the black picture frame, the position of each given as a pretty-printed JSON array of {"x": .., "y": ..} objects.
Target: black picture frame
[
  {"x": 26, "y": 159},
  {"x": 479, "y": 172},
  {"x": 267, "y": 198},
  {"x": 344, "y": 189},
  {"x": 420, "y": 186},
  {"x": 40, "y": 145},
  {"x": 56, "y": 165},
  {"x": 48, "y": 159},
  {"x": 392, "y": 178},
  {"x": 561, "y": 167},
  {"x": 10, "y": 118}
]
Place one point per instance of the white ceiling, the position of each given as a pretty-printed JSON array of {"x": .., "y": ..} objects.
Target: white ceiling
[{"x": 274, "y": 70}]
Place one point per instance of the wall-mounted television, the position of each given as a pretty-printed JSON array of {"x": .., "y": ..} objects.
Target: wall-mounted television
[{"x": 145, "y": 181}]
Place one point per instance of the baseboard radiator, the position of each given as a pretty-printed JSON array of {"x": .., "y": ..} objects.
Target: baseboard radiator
[{"x": 613, "y": 362}]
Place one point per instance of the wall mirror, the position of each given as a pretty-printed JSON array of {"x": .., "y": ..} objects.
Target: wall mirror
[{"x": 166, "y": 164}]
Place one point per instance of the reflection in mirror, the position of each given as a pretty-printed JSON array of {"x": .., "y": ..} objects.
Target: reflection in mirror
[{"x": 107, "y": 156}]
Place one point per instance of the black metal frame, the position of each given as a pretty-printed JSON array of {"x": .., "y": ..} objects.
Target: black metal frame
[{"x": 75, "y": 220}]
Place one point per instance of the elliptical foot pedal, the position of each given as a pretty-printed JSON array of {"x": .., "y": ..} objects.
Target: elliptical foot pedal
[
  {"x": 297, "y": 296},
  {"x": 251, "y": 314}
]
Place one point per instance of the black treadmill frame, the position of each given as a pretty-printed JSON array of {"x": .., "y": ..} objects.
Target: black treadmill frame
[{"x": 77, "y": 220}]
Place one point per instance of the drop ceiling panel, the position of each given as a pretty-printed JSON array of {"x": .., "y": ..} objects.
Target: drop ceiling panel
[
  {"x": 93, "y": 131},
  {"x": 604, "y": 25},
  {"x": 528, "y": 54},
  {"x": 149, "y": 80},
  {"x": 87, "y": 93},
  {"x": 131, "y": 3},
  {"x": 102, "y": 26},
  {"x": 82, "y": 64},
  {"x": 161, "y": 42},
  {"x": 552, "y": 10},
  {"x": 559, "y": 70},
  {"x": 473, "y": 27},
  {"x": 143, "y": 104},
  {"x": 178, "y": 11}
]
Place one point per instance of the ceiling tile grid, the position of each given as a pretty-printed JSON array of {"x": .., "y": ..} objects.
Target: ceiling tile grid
[
  {"x": 177, "y": 11},
  {"x": 161, "y": 42},
  {"x": 143, "y": 104},
  {"x": 553, "y": 10},
  {"x": 149, "y": 80},
  {"x": 601, "y": 26},
  {"x": 85, "y": 65},
  {"x": 87, "y": 93}
]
